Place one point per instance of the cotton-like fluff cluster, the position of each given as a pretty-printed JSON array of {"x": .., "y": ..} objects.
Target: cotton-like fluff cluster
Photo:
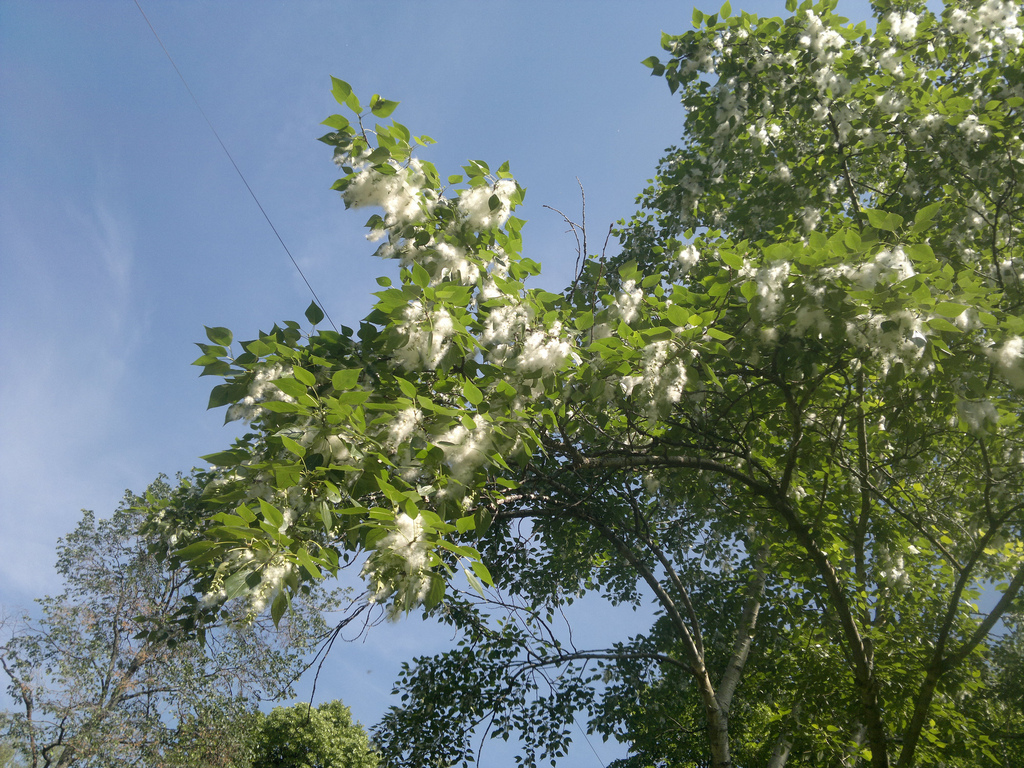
[
  {"x": 732, "y": 105},
  {"x": 261, "y": 390},
  {"x": 973, "y": 130},
  {"x": 890, "y": 568},
  {"x": 899, "y": 337},
  {"x": 771, "y": 283},
  {"x": 427, "y": 337},
  {"x": 627, "y": 303},
  {"x": 453, "y": 264},
  {"x": 398, "y": 566},
  {"x": 823, "y": 41},
  {"x": 995, "y": 26},
  {"x": 687, "y": 257},
  {"x": 503, "y": 328},
  {"x": 903, "y": 25},
  {"x": 1009, "y": 270},
  {"x": 334, "y": 448},
  {"x": 891, "y": 102},
  {"x": 810, "y": 217},
  {"x": 764, "y": 132},
  {"x": 967, "y": 320},
  {"x": 465, "y": 450},
  {"x": 403, "y": 425},
  {"x": 544, "y": 351},
  {"x": 1009, "y": 361},
  {"x": 812, "y": 319},
  {"x": 475, "y": 205},
  {"x": 272, "y": 578},
  {"x": 891, "y": 61},
  {"x": 497, "y": 269},
  {"x": 399, "y": 194},
  {"x": 977, "y": 414},
  {"x": 887, "y": 265},
  {"x": 663, "y": 381},
  {"x": 218, "y": 594}
]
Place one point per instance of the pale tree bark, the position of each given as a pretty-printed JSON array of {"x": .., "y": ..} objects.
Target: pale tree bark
[{"x": 784, "y": 742}]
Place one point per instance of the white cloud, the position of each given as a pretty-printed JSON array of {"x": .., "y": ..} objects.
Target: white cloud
[{"x": 66, "y": 349}]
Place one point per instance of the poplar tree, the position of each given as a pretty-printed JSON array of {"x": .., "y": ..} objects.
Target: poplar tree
[{"x": 786, "y": 409}]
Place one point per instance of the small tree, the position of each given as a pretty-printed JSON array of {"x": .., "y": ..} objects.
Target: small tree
[
  {"x": 788, "y": 412},
  {"x": 302, "y": 736},
  {"x": 90, "y": 691}
]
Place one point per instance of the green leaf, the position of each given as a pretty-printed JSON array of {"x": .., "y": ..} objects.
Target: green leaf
[
  {"x": 279, "y": 607},
  {"x": 225, "y": 394},
  {"x": 271, "y": 514},
  {"x": 279, "y": 406},
  {"x": 382, "y": 107},
  {"x": 888, "y": 222},
  {"x": 726, "y": 10},
  {"x": 307, "y": 562},
  {"x": 950, "y": 309},
  {"x": 474, "y": 582},
  {"x": 923, "y": 218},
  {"x": 218, "y": 335},
  {"x": 341, "y": 90},
  {"x": 732, "y": 259},
  {"x": 327, "y": 517},
  {"x": 198, "y": 548},
  {"x": 481, "y": 570},
  {"x": 237, "y": 584},
  {"x": 655, "y": 65},
  {"x": 472, "y": 392},
  {"x": 407, "y": 387},
  {"x": 226, "y": 458},
  {"x": 336, "y": 121},
  {"x": 584, "y": 321},
  {"x": 293, "y": 447},
  {"x": 420, "y": 276},
  {"x": 942, "y": 324},
  {"x": 291, "y": 387},
  {"x": 258, "y": 347},
  {"x": 346, "y": 379},
  {"x": 778, "y": 252},
  {"x": 304, "y": 376},
  {"x": 314, "y": 314},
  {"x": 676, "y": 315}
]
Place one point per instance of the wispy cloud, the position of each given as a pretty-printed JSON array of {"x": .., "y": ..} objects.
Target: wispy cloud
[
  {"x": 114, "y": 242},
  {"x": 66, "y": 346}
]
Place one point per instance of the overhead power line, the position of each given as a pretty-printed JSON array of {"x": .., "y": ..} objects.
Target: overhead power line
[{"x": 234, "y": 164}]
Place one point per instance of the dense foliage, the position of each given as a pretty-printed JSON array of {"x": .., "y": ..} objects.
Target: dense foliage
[
  {"x": 302, "y": 736},
  {"x": 788, "y": 412},
  {"x": 89, "y": 691}
]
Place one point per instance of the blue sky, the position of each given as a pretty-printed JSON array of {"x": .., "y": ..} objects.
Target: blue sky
[{"x": 124, "y": 229}]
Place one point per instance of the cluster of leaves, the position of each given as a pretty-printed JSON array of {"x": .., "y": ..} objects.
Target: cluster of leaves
[
  {"x": 302, "y": 736},
  {"x": 93, "y": 686},
  {"x": 788, "y": 412}
]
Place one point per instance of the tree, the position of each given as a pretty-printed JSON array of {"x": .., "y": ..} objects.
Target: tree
[
  {"x": 788, "y": 411},
  {"x": 10, "y": 756},
  {"x": 303, "y": 737},
  {"x": 92, "y": 692}
]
